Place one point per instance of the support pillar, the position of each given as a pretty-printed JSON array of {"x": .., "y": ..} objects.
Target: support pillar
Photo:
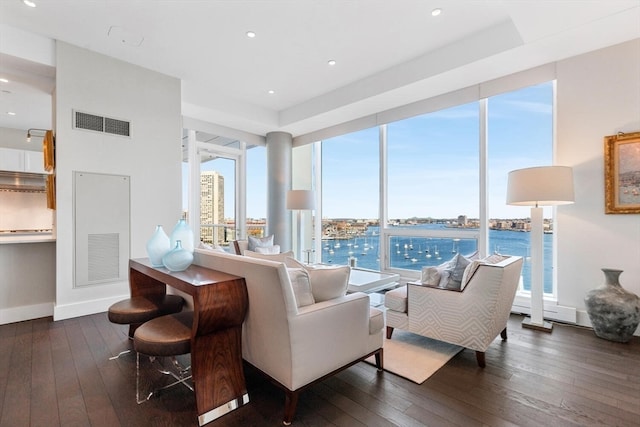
[{"x": 279, "y": 146}]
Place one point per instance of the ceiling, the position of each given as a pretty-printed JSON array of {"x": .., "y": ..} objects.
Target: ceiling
[{"x": 388, "y": 52}]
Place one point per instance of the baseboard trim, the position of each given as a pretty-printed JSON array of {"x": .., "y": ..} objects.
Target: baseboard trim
[
  {"x": 85, "y": 308},
  {"x": 552, "y": 311},
  {"x": 25, "y": 312}
]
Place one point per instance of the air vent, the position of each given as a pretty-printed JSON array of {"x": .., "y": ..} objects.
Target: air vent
[{"x": 102, "y": 124}]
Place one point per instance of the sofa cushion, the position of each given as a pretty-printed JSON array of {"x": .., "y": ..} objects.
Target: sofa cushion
[
  {"x": 396, "y": 299},
  {"x": 254, "y": 242},
  {"x": 281, "y": 257},
  {"x": 301, "y": 286}
]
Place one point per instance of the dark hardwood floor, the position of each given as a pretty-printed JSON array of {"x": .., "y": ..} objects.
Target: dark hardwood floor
[{"x": 59, "y": 374}]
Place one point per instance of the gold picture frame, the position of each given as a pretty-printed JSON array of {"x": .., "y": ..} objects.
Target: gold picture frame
[{"x": 622, "y": 173}]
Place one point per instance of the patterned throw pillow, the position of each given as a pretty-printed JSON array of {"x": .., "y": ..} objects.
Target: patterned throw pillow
[
  {"x": 263, "y": 242},
  {"x": 455, "y": 268}
]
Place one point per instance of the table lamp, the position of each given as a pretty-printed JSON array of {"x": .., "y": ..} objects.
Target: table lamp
[
  {"x": 535, "y": 187},
  {"x": 299, "y": 200}
]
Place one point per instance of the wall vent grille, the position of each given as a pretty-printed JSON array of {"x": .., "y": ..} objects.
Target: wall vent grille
[{"x": 102, "y": 124}]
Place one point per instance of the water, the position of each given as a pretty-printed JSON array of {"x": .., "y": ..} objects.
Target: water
[{"x": 417, "y": 252}]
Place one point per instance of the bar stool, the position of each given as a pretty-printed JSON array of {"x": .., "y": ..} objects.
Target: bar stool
[
  {"x": 135, "y": 311},
  {"x": 164, "y": 336}
]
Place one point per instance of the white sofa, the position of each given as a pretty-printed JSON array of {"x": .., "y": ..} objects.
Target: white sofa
[
  {"x": 297, "y": 346},
  {"x": 471, "y": 318}
]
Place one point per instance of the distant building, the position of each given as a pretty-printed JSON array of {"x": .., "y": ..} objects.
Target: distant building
[{"x": 211, "y": 207}]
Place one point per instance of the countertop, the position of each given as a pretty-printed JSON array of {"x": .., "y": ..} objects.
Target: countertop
[{"x": 26, "y": 238}]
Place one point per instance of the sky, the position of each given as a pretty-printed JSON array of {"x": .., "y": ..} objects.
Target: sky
[{"x": 432, "y": 162}]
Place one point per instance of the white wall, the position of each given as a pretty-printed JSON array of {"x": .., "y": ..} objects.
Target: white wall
[
  {"x": 598, "y": 94},
  {"x": 93, "y": 83}
]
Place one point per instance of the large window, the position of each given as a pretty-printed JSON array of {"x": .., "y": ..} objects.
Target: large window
[
  {"x": 256, "y": 191},
  {"x": 520, "y": 125},
  {"x": 434, "y": 165},
  {"x": 350, "y": 198}
]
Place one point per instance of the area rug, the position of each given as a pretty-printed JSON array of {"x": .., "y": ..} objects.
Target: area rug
[{"x": 415, "y": 357}]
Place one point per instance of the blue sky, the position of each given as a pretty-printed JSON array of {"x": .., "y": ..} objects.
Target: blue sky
[{"x": 433, "y": 161}]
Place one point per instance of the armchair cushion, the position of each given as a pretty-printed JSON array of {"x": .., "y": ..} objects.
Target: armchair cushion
[
  {"x": 254, "y": 242},
  {"x": 301, "y": 286},
  {"x": 328, "y": 282}
]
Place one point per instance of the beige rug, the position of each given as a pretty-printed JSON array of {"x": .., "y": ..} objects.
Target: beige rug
[{"x": 415, "y": 357}]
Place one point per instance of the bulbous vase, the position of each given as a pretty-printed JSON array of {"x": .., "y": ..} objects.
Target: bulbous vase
[
  {"x": 614, "y": 312},
  {"x": 182, "y": 232},
  {"x": 157, "y": 246},
  {"x": 178, "y": 258}
]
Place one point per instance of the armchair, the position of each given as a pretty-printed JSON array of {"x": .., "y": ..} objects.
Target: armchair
[
  {"x": 288, "y": 342},
  {"x": 471, "y": 318}
]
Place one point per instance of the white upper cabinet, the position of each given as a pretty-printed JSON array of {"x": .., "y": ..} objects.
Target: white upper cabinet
[
  {"x": 14, "y": 160},
  {"x": 34, "y": 162}
]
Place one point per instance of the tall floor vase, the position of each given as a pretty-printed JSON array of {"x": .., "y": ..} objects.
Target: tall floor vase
[{"x": 614, "y": 312}]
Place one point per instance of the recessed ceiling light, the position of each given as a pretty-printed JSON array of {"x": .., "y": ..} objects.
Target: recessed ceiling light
[
  {"x": 251, "y": 34},
  {"x": 271, "y": 92},
  {"x": 332, "y": 62},
  {"x": 29, "y": 3},
  {"x": 436, "y": 12},
  {"x": 11, "y": 113},
  {"x": 3, "y": 80}
]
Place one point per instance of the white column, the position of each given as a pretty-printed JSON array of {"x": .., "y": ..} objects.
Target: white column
[{"x": 279, "y": 145}]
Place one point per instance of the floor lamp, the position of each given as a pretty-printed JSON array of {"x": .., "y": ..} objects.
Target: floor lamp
[
  {"x": 535, "y": 187},
  {"x": 300, "y": 200}
]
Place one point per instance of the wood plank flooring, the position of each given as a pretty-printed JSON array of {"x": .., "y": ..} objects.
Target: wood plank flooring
[{"x": 59, "y": 374}]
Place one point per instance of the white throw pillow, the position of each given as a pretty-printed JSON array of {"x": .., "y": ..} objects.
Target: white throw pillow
[
  {"x": 280, "y": 257},
  {"x": 430, "y": 276},
  {"x": 301, "y": 286},
  {"x": 268, "y": 250},
  {"x": 328, "y": 282},
  {"x": 263, "y": 242},
  {"x": 470, "y": 271}
]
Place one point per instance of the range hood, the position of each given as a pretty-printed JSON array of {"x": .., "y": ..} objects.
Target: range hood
[{"x": 22, "y": 181}]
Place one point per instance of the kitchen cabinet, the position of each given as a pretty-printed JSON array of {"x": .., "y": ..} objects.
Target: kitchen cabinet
[
  {"x": 14, "y": 160},
  {"x": 34, "y": 162},
  {"x": 11, "y": 160}
]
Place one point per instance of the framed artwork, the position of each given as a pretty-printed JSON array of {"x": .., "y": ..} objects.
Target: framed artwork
[{"x": 622, "y": 173}]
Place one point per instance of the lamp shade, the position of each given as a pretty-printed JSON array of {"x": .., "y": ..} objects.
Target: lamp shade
[
  {"x": 300, "y": 200},
  {"x": 540, "y": 186}
]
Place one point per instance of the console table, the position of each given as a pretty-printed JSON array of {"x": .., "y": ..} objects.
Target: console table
[{"x": 220, "y": 303}]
